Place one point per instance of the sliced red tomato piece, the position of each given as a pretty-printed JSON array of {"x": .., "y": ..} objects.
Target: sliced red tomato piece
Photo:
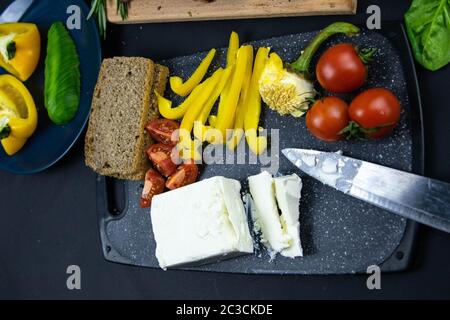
[
  {"x": 162, "y": 130},
  {"x": 161, "y": 157},
  {"x": 186, "y": 174},
  {"x": 154, "y": 184}
]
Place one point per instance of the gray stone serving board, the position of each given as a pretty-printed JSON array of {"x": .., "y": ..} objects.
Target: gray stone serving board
[{"x": 340, "y": 234}]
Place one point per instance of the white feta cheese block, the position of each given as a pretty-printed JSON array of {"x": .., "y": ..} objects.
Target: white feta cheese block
[
  {"x": 288, "y": 193},
  {"x": 200, "y": 223},
  {"x": 267, "y": 217},
  {"x": 277, "y": 212}
]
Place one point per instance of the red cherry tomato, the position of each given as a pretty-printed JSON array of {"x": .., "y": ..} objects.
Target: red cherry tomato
[
  {"x": 327, "y": 118},
  {"x": 161, "y": 157},
  {"x": 377, "y": 111},
  {"x": 162, "y": 130},
  {"x": 340, "y": 69},
  {"x": 154, "y": 184},
  {"x": 186, "y": 174}
]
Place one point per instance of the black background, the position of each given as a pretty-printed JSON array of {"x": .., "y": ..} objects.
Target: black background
[{"x": 48, "y": 221}]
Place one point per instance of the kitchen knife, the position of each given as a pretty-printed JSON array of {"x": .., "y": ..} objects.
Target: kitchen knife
[
  {"x": 15, "y": 11},
  {"x": 414, "y": 197}
]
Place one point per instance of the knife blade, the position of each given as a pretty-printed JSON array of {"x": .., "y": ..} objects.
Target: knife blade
[
  {"x": 422, "y": 199},
  {"x": 15, "y": 11}
]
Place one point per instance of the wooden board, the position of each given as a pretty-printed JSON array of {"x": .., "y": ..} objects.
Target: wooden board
[{"x": 142, "y": 11}]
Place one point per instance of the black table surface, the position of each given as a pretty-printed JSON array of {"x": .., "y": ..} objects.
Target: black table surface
[{"x": 48, "y": 221}]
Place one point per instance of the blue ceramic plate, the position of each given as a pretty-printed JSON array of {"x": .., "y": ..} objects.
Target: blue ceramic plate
[{"x": 51, "y": 142}]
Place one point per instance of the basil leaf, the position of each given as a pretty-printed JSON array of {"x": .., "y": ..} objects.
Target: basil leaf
[
  {"x": 428, "y": 27},
  {"x": 62, "y": 76}
]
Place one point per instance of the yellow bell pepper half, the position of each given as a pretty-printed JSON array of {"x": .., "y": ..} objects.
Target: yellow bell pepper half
[
  {"x": 183, "y": 89},
  {"x": 256, "y": 144},
  {"x": 18, "y": 114},
  {"x": 225, "y": 120},
  {"x": 242, "y": 106},
  {"x": 20, "y": 48}
]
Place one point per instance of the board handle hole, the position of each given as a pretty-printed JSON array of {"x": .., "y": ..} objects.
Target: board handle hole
[
  {"x": 115, "y": 194},
  {"x": 399, "y": 255}
]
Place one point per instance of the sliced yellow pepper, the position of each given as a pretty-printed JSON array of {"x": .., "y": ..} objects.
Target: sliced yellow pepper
[
  {"x": 165, "y": 105},
  {"x": 194, "y": 111},
  {"x": 226, "y": 118},
  {"x": 18, "y": 114},
  {"x": 256, "y": 144},
  {"x": 233, "y": 48},
  {"x": 242, "y": 106},
  {"x": 20, "y": 48},
  {"x": 212, "y": 119},
  {"x": 199, "y": 125},
  {"x": 183, "y": 89},
  {"x": 188, "y": 148}
]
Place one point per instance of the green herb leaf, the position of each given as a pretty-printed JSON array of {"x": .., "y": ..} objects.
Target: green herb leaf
[
  {"x": 98, "y": 8},
  {"x": 428, "y": 27}
]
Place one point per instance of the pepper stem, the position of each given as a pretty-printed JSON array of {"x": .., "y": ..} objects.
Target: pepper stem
[
  {"x": 11, "y": 50},
  {"x": 5, "y": 131},
  {"x": 301, "y": 65}
]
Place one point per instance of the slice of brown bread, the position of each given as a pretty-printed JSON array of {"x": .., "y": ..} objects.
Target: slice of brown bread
[
  {"x": 120, "y": 108},
  {"x": 161, "y": 76}
]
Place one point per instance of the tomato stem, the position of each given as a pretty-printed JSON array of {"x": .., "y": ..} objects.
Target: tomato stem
[
  {"x": 301, "y": 65},
  {"x": 355, "y": 131},
  {"x": 366, "y": 54}
]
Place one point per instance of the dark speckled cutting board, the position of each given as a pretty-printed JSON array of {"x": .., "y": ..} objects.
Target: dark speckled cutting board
[{"x": 340, "y": 234}]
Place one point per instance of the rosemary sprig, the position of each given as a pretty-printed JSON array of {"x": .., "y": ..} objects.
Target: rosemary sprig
[
  {"x": 98, "y": 9},
  {"x": 122, "y": 8}
]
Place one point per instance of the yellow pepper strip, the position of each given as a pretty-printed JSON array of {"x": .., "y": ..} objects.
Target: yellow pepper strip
[
  {"x": 226, "y": 118},
  {"x": 242, "y": 106},
  {"x": 188, "y": 148},
  {"x": 18, "y": 114},
  {"x": 183, "y": 89},
  {"x": 212, "y": 119},
  {"x": 233, "y": 48},
  {"x": 20, "y": 48},
  {"x": 199, "y": 125},
  {"x": 165, "y": 105},
  {"x": 194, "y": 111},
  {"x": 256, "y": 144}
]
